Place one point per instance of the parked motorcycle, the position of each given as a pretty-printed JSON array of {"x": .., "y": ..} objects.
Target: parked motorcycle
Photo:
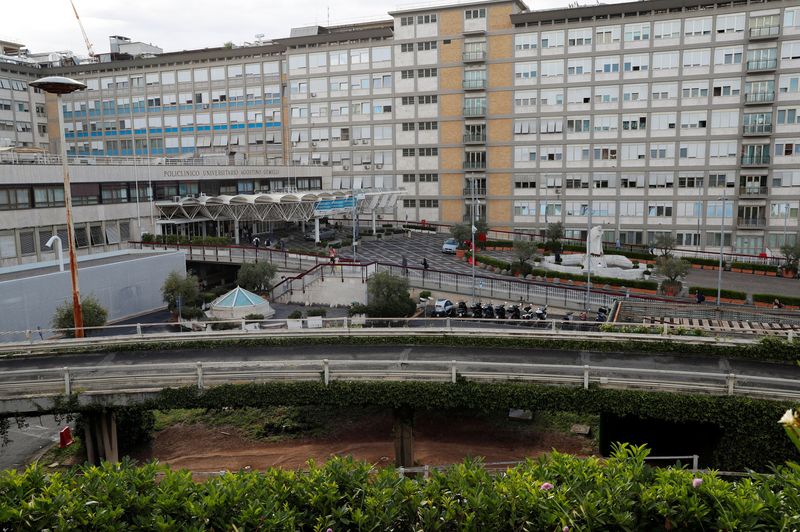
[
  {"x": 488, "y": 311},
  {"x": 477, "y": 310},
  {"x": 541, "y": 312},
  {"x": 602, "y": 314},
  {"x": 461, "y": 310},
  {"x": 500, "y": 312},
  {"x": 514, "y": 312}
]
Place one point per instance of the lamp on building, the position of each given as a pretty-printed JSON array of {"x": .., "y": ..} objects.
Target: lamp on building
[{"x": 59, "y": 85}]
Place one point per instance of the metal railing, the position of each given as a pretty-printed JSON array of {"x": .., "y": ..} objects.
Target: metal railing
[
  {"x": 469, "y": 191},
  {"x": 474, "y": 165},
  {"x": 756, "y": 129},
  {"x": 474, "y": 111},
  {"x": 125, "y": 379},
  {"x": 12, "y": 157},
  {"x": 762, "y": 65},
  {"x": 473, "y": 84},
  {"x": 474, "y": 139},
  {"x": 473, "y": 56},
  {"x": 751, "y": 222},
  {"x": 753, "y": 191},
  {"x": 755, "y": 160},
  {"x": 765, "y": 32},
  {"x": 759, "y": 97}
]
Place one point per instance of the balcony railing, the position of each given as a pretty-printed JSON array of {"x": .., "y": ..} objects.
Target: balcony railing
[
  {"x": 753, "y": 191},
  {"x": 755, "y": 160},
  {"x": 475, "y": 111},
  {"x": 757, "y": 129},
  {"x": 474, "y": 84},
  {"x": 765, "y": 32},
  {"x": 759, "y": 97},
  {"x": 470, "y": 57},
  {"x": 751, "y": 222},
  {"x": 474, "y": 138},
  {"x": 478, "y": 192},
  {"x": 474, "y": 165},
  {"x": 762, "y": 65}
]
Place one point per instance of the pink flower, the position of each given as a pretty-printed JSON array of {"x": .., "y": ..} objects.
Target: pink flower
[
  {"x": 565, "y": 529},
  {"x": 329, "y": 530},
  {"x": 697, "y": 482},
  {"x": 546, "y": 486}
]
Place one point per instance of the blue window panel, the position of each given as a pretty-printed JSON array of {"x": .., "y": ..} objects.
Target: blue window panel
[
  {"x": 258, "y": 125},
  {"x": 126, "y": 152},
  {"x": 237, "y": 126},
  {"x": 96, "y": 133},
  {"x": 112, "y": 152},
  {"x": 173, "y": 150},
  {"x": 140, "y": 131},
  {"x": 171, "y": 129},
  {"x": 157, "y": 151},
  {"x": 67, "y": 114},
  {"x": 221, "y": 127},
  {"x": 124, "y": 132},
  {"x": 219, "y": 105},
  {"x": 94, "y": 113},
  {"x": 82, "y": 134},
  {"x": 111, "y": 133},
  {"x": 203, "y": 128},
  {"x": 69, "y": 135},
  {"x": 141, "y": 152},
  {"x": 187, "y": 150},
  {"x": 154, "y": 109},
  {"x": 188, "y": 129},
  {"x": 186, "y": 107},
  {"x": 155, "y": 130},
  {"x": 273, "y": 124}
]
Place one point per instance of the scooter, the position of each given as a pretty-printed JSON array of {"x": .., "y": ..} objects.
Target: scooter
[
  {"x": 500, "y": 312},
  {"x": 462, "y": 310},
  {"x": 541, "y": 312},
  {"x": 602, "y": 314},
  {"x": 477, "y": 310},
  {"x": 514, "y": 312},
  {"x": 488, "y": 311}
]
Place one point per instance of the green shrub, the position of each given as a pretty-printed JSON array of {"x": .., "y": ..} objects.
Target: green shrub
[
  {"x": 295, "y": 315},
  {"x": 316, "y": 312},
  {"x": 225, "y": 326},
  {"x": 94, "y": 315},
  {"x": 208, "y": 297},
  {"x": 769, "y": 298},
  {"x": 425, "y": 294},
  {"x": 747, "y": 266},
  {"x": 703, "y": 262},
  {"x": 191, "y": 313},
  {"x": 254, "y": 317},
  {"x": 728, "y": 294}
]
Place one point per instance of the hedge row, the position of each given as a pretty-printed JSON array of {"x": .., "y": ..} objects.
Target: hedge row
[
  {"x": 769, "y": 298},
  {"x": 555, "y": 492},
  {"x": 185, "y": 240},
  {"x": 712, "y": 292},
  {"x": 747, "y": 266}
]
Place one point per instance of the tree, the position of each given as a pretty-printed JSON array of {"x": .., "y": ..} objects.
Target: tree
[
  {"x": 462, "y": 233},
  {"x": 388, "y": 296},
  {"x": 524, "y": 250},
  {"x": 673, "y": 269},
  {"x": 94, "y": 315},
  {"x": 791, "y": 256},
  {"x": 665, "y": 244},
  {"x": 256, "y": 275},
  {"x": 554, "y": 234},
  {"x": 186, "y": 286},
  {"x": 228, "y": 45}
]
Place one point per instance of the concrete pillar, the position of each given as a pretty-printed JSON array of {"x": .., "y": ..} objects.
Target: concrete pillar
[
  {"x": 236, "y": 232},
  {"x": 404, "y": 436},
  {"x": 219, "y": 231},
  {"x": 316, "y": 230},
  {"x": 373, "y": 223},
  {"x": 100, "y": 437}
]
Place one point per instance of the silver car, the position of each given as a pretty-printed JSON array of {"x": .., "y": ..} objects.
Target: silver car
[{"x": 450, "y": 245}]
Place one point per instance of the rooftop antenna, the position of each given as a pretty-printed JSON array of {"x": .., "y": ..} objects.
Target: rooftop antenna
[
  {"x": 259, "y": 36},
  {"x": 329, "y": 15}
]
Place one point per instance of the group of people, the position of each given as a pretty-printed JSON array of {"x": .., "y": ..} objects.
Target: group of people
[{"x": 256, "y": 242}]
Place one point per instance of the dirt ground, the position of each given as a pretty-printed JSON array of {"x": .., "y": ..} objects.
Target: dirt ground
[{"x": 438, "y": 440}]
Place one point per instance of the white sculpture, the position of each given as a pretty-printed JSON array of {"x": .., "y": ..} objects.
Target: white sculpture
[{"x": 594, "y": 244}]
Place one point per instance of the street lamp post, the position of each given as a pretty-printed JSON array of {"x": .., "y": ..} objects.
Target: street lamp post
[
  {"x": 721, "y": 248},
  {"x": 589, "y": 260},
  {"x": 472, "y": 232},
  {"x": 59, "y": 85}
]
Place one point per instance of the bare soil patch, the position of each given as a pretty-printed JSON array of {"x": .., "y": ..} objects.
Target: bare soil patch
[{"x": 439, "y": 439}]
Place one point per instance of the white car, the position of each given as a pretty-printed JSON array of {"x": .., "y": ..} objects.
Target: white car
[
  {"x": 444, "y": 308},
  {"x": 450, "y": 245}
]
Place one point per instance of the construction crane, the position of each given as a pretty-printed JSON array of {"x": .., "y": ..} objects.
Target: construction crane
[{"x": 83, "y": 31}]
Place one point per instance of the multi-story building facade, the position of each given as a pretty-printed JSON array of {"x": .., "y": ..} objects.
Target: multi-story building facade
[
  {"x": 23, "y": 113},
  {"x": 651, "y": 117}
]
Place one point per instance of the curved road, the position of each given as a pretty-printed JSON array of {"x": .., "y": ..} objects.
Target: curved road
[{"x": 402, "y": 353}]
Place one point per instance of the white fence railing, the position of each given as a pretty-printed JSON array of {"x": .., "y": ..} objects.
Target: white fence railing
[{"x": 138, "y": 378}]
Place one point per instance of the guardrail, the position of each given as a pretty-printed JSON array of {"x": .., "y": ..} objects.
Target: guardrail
[
  {"x": 147, "y": 378},
  {"x": 52, "y": 340}
]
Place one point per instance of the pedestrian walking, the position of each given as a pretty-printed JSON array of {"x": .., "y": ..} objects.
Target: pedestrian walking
[
  {"x": 424, "y": 264},
  {"x": 777, "y": 303},
  {"x": 256, "y": 242},
  {"x": 332, "y": 258},
  {"x": 699, "y": 297}
]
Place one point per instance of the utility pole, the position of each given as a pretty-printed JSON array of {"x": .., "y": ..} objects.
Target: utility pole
[
  {"x": 472, "y": 232},
  {"x": 589, "y": 259}
]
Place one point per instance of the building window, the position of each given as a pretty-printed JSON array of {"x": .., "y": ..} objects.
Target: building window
[{"x": 472, "y": 14}]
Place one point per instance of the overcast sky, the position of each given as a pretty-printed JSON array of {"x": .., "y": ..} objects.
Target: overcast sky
[{"x": 49, "y": 25}]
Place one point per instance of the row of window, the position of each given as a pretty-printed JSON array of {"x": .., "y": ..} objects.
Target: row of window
[
  {"x": 660, "y": 179},
  {"x": 691, "y": 28},
  {"x": 754, "y": 60},
  {"x": 110, "y": 232},
  {"x": 423, "y": 203},
  {"x": 751, "y": 153}
]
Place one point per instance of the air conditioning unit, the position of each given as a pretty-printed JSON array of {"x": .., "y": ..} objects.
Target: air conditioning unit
[
  {"x": 355, "y": 141},
  {"x": 345, "y": 167},
  {"x": 294, "y": 143},
  {"x": 313, "y": 94},
  {"x": 325, "y": 163},
  {"x": 176, "y": 199},
  {"x": 367, "y": 166},
  {"x": 313, "y": 143},
  {"x": 378, "y": 166},
  {"x": 364, "y": 141}
]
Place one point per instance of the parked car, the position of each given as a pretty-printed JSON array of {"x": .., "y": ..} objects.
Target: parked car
[
  {"x": 444, "y": 308},
  {"x": 325, "y": 233},
  {"x": 450, "y": 245}
]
